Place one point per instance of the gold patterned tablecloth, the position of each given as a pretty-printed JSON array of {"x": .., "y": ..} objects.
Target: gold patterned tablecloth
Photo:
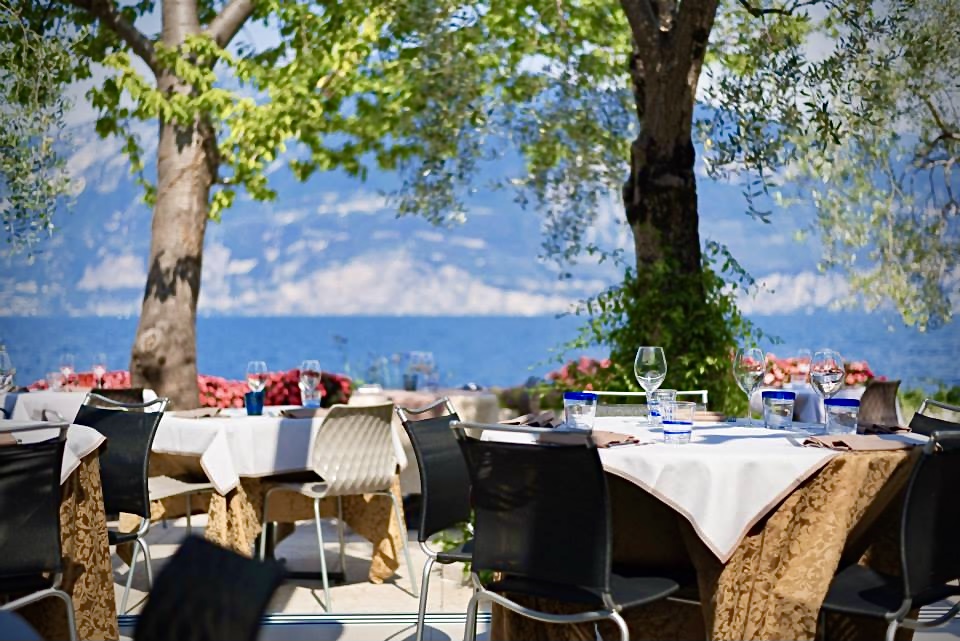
[
  {"x": 234, "y": 519},
  {"x": 776, "y": 580},
  {"x": 87, "y": 570}
]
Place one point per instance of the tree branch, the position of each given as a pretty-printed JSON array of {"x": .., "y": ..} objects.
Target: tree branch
[
  {"x": 788, "y": 10},
  {"x": 109, "y": 15},
  {"x": 229, "y": 21},
  {"x": 644, "y": 26}
]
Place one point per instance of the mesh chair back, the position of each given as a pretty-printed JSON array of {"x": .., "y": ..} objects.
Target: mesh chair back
[
  {"x": 353, "y": 451},
  {"x": 444, "y": 481},
  {"x": 541, "y": 511},
  {"x": 929, "y": 551},
  {"x": 125, "y": 461},
  {"x": 929, "y": 424},
  {"x": 30, "y": 505},
  {"x": 207, "y": 593},
  {"x": 878, "y": 405}
]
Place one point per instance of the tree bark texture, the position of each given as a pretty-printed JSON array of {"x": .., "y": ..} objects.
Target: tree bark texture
[
  {"x": 660, "y": 195},
  {"x": 164, "y": 355}
]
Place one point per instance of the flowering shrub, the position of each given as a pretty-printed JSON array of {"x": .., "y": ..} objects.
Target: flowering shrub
[
  {"x": 215, "y": 391},
  {"x": 784, "y": 370},
  {"x": 580, "y": 374}
]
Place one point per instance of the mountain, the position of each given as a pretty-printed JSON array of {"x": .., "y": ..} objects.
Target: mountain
[{"x": 333, "y": 246}]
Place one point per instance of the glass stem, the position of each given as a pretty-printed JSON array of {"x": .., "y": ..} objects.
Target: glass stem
[{"x": 749, "y": 413}]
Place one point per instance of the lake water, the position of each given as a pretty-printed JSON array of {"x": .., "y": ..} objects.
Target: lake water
[{"x": 484, "y": 350}]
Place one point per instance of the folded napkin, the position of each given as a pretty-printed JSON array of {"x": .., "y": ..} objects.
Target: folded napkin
[
  {"x": 856, "y": 442},
  {"x": 303, "y": 412},
  {"x": 601, "y": 438},
  {"x": 537, "y": 419},
  {"x": 874, "y": 428},
  {"x": 200, "y": 412},
  {"x": 7, "y": 439}
]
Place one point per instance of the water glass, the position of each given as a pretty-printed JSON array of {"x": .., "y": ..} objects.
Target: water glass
[
  {"x": 253, "y": 401},
  {"x": 67, "y": 368},
  {"x": 678, "y": 421},
  {"x": 778, "y": 409},
  {"x": 257, "y": 375},
  {"x": 7, "y": 370},
  {"x": 842, "y": 415},
  {"x": 99, "y": 369},
  {"x": 650, "y": 368},
  {"x": 749, "y": 364},
  {"x": 310, "y": 383},
  {"x": 580, "y": 409},
  {"x": 655, "y": 401}
]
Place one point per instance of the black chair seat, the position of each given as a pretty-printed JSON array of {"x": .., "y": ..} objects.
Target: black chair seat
[
  {"x": 459, "y": 554},
  {"x": 860, "y": 590},
  {"x": 626, "y": 591},
  {"x": 24, "y": 583},
  {"x": 116, "y": 537}
]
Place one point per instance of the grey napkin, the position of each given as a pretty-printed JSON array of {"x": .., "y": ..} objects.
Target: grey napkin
[
  {"x": 200, "y": 412},
  {"x": 856, "y": 442},
  {"x": 538, "y": 419},
  {"x": 303, "y": 412}
]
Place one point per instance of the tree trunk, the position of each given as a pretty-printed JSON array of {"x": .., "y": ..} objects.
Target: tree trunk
[{"x": 164, "y": 354}]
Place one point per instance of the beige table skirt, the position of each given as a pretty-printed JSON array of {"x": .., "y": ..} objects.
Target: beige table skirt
[
  {"x": 234, "y": 520},
  {"x": 774, "y": 584},
  {"x": 87, "y": 570}
]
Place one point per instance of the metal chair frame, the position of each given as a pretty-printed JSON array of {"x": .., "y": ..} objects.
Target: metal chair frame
[
  {"x": 54, "y": 590},
  {"x": 340, "y": 529},
  {"x": 157, "y": 405},
  {"x": 939, "y": 404},
  {"x": 404, "y": 413},
  {"x": 702, "y": 393},
  {"x": 611, "y": 609}
]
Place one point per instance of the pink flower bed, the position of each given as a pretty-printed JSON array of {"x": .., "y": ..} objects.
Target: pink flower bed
[
  {"x": 215, "y": 391},
  {"x": 579, "y": 374}
]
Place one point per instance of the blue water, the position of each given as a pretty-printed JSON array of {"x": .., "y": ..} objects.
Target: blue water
[{"x": 485, "y": 350}]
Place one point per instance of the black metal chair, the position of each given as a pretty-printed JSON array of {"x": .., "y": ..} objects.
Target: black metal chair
[
  {"x": 444, "y": 487},
  {"x": 925, "y": 424},
  {"x": 207, "y": 593},
  {"x": 30, "y": 559},
  {"x": 929, "y": 555},
  {"x": 878, "y": 405},
  {"x": 124, "y": 464},
  {"x": 543, "y": 523}
]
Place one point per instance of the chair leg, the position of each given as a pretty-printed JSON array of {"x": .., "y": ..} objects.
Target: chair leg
[
  {"x": 343, "y": 556},
  {"x": 126, "y": 589},
  {"x": 323, "y": 557},
  {"x": 263, "y": 527},
  {"x": 892, "y": 630},
  {"x": 147, "y": 561},
  {"x": 406, "y": 546},
  {"x": 624, "y": 630},
  {"x": 71, "y": 616},
  {"x": 425, "y": 590},
  {"x": 470, "y": 629}
]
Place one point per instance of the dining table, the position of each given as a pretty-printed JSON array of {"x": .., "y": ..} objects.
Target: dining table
[
  {"x": 87, "y": 568},
  {"x": 753, "y": 522}
]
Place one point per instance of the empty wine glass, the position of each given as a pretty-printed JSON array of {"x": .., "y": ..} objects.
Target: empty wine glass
[
  {"x": 257, "y": 375},
  {"x": 310, "y": 383},
  {"x": 826, "y": 373},
  {"x": 67, "y": 367},
  {"x": 99, "y": 369},
  {"x": 748, "y": 368},
  {"x": 650, "y": 368},
  {"x": 7, "y": 370}
]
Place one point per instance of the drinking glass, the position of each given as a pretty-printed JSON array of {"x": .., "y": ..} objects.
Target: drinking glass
[
  {"x": 803, "y": 365},
  {"x": 650, "y": 368},
  {"x": 7, "y": 370},
  {"x": 826, "y": 373},
  {"x": 748, "y": 367},
  {"x": 67, "y": 368},
  {"x": 257, "y": 375},
  {"x": 310, "y": 383},
  {"x": 99, "y": 369}
]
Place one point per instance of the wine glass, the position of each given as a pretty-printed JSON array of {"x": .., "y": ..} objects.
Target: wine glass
[
  {"x": 310, "y": 383},
  {"x": 650, "y": 368},
  {"x": 67, "y": 367},
  {"x": 748, "y": 367},
  {"x": 803, "y": 364},
  {"x": 99, "y": 369},
  {"x": 7, "y": 370},
  {"x": 826, "y": 373},
  {"x": 257, "y": 375}
]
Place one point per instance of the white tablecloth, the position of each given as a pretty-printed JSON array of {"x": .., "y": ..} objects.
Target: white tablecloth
[
  {"x": 234, "y": 445},
  {"x": 29, "y": 406},
  {"x": 81, "y": 441}
]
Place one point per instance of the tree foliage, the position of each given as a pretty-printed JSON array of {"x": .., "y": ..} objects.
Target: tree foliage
[{"x": 33, "y": 180}]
